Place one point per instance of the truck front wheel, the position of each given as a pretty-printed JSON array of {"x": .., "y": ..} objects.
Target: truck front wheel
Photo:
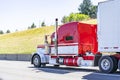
[
  {"x": 108, "y": 64},
  {"x": 37, "y": 61}
]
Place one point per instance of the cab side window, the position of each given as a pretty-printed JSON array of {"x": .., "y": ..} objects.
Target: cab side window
[{"x": 69, "y": 38}]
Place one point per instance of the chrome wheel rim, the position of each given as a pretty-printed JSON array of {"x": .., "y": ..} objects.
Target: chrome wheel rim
[
  {"x": 105, "y": 64},
  {"x": 36, "y": 61}
]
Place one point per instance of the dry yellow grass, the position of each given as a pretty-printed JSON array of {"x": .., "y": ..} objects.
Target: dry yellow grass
[
  {"x": 91, "y": 21},
  {"x": 23, "y": 41}
]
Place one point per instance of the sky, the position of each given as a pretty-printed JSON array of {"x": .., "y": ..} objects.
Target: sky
[{"x": 19, "y": 14}]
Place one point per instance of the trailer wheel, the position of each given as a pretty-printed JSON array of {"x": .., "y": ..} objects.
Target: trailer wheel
[
  {"x": 37, "y": 61},
  {"x": 108, "y": 64}
]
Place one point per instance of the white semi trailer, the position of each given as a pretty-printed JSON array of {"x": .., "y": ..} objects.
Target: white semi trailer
[{"x": 108, "y": 34}]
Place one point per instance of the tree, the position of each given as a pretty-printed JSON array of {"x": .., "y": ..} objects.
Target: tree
[
  {"x": 93, "y": 13},
  {"x": 87, "y": 8},
  {"x": 29, "y": 27},
  {"x": 74, "y": 17},
  {"x": 43, "y": 24},
  {"x": 8, "y": 31},
  {"x": 33, "y": 26},
  {"x": 1, "y": 32},
  {"x": 16, "y": 30},
  {"x": 65, "y": 19}
]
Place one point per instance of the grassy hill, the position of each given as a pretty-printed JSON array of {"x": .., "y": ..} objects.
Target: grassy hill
[
  {"x": 26, "y": 41},
  {"x": 23, "y": 41}
]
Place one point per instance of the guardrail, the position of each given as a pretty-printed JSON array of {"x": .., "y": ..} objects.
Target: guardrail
[{"x": 17, "y": 57}]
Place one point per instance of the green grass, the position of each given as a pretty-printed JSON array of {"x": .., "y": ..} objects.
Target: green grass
[{"x": 25, "y": 42}]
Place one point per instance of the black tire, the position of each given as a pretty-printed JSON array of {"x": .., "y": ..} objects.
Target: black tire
[
  {"x": 37, "y": 61},
  {"x": 43, "y": 65},
  {"x": 56, "y": 65},
  {"x": 115, "y": 63},
  {"x": 108, "y": 64}
]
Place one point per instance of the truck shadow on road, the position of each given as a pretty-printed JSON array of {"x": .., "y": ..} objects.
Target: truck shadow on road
[
  {"x": 94, "y": 74},
  {"x": 101, "y": 76},
  {"x": 62, "y": 70}
]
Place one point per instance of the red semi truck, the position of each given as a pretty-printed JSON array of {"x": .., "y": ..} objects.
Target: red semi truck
[{"x": 80, "y": 44}]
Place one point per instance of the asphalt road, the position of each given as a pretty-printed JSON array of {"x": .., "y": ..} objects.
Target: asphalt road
[{"x": 19, "y": 70}]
